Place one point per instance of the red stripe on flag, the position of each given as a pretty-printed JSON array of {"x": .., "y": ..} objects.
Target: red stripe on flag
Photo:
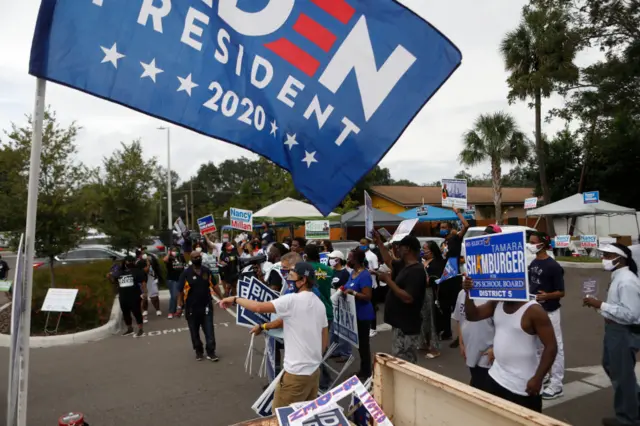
[
  {"x": 315, "y": 32},
  {"x": 294, "y": 55},
  {"x": 339, "y": 9}
]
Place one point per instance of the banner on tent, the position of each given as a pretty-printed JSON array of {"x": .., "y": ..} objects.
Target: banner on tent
[
  {"x": 317, "y": 230},
  {"x": 253, "y": 289},
  {"x": 591, "y": 197},
  {"x": 497, "y": 264},
  {"x": 274, "y": 78}
]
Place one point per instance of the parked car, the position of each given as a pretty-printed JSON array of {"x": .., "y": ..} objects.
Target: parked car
[{"x": 83, "y": 254}]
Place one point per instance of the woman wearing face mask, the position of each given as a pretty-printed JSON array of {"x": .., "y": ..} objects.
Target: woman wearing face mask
[
  {"x": 229, "y": 268},
  {"x": 621, "y": 314},
  {"x": 546, "y": 284},
  {"x": 434, "y": 265},
  {"x": 175, "y": 264},
  {"x": 247, "y": 250},
  {"x": 360, "y": 286}
]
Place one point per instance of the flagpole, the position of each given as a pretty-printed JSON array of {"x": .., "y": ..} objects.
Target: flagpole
[{"x": 30, "y": 232}]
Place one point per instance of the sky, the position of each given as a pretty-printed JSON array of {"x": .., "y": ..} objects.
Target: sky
[{"x": 426, "y": 152}]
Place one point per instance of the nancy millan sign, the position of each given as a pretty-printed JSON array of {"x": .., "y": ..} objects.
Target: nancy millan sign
[{"x": 241, "y": 219}]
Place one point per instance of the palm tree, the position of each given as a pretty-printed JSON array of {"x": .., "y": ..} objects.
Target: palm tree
[
  {"x": 539, "y": 54},
  {"x": 495, "y": 138}
]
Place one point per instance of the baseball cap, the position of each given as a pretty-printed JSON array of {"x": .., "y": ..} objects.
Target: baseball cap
[
  {"x": 129, "y": 258},
  {"x": 304, "y": 269},
  {"x": 492, "y": 229},
  {"x": 336, "y": 254},
  {"x": 610, "y": 248},
  {"x": 411, "y": 242}
]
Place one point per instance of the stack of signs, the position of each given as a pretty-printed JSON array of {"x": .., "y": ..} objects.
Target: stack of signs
[
  {"x": 422, "y": 211},
  {"x": 241, "y": 219},
  {"x": 498, "y": 267},
  {"x": 454, "y": 193},
  {"x": 530, "y": 203},
  {"x": 562, "y": 241},
  {"x": 251, "y": 288},
  {"x": 207, "y": 224},
  {"x": 368, "y": 216},
  {"x": 332, "y": 417},
  {"x": 404, "y": 229},
  {"x": 588, "y": 241},
  {"x": 270, "y": 349},
  {"x": 345, "y": 325},
  {"x": 317, "y": 230}
]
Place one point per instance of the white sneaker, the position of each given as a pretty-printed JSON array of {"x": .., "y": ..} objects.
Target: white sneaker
[
  {"x": 145, "y": 313},
  {"x": 373, "y": 333},
  {"x": 548, "y": 394},
  {"x": 145, "y": 320},
  {"x": 158, "y": 313}
]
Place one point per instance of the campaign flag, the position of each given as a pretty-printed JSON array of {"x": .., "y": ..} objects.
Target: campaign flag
[
  {"x": 498, "y": 266},
  {"x": 454, "y": 193},
  {"x": 450, "y": 270},
  {"x": 310, "y": 85},
  {"x": 251, "y": 288},
  {"x": 207, "y": 224},
  {"x": 368, "y": 216},
  {"x": 241, "y": 219}
]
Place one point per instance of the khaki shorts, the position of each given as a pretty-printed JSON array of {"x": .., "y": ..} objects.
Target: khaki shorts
[{"x": 293, "y": 388}]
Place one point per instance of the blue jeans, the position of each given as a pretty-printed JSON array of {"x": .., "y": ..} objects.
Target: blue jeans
[
  {"x": 173, "y": 291},
  {"x": 344, "y": 348},
  {"x": 619, "y": 361}
]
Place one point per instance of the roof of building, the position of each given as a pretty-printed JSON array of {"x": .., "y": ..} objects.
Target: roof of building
[{"x": 410, "y": 196}]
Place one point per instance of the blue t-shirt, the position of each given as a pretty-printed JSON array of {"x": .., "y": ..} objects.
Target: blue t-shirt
[{"x": 364, "y": 310}]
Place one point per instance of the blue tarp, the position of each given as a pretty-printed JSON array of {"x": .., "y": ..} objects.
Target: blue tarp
[{"x": 434, "y": 214}]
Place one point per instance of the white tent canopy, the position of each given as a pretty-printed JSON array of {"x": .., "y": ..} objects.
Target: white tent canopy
[
  {"x": 575, "y": 206},
  {"x": 290, "y": 209}
]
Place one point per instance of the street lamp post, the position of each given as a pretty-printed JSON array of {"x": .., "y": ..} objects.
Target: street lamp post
[{"x": 169, "y": 212}]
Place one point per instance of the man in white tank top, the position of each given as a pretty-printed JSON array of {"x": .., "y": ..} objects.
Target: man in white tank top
[{"x": 516, "y": 375}]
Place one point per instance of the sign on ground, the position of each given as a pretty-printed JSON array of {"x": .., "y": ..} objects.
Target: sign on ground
[{"x": 59, "y": 299}]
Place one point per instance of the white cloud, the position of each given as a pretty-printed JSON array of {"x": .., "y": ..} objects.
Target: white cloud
[{"x": 426, "y": 152}]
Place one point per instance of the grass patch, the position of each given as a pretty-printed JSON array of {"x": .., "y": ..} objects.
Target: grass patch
[{"x": 579, "y": 259}]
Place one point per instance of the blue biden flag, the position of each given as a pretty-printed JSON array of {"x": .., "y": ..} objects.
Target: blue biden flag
[{"x": 323, "y": 88}]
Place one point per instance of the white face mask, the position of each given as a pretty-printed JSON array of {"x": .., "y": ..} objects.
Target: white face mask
[
  {"x": 533, "y": 248},
  {"x": 144, "y": 257},
  {"x": 333, "y": 262},
  {"x": 199, "y": 249},
  {"x": 608, "y": 264},
  {"x": 372, "y": 246}
]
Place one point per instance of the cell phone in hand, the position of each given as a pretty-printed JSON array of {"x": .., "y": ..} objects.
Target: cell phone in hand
[{"x": 385, "y": 234}]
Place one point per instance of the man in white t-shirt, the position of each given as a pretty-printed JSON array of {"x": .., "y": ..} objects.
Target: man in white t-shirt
[{"x": 306, "y": 335}]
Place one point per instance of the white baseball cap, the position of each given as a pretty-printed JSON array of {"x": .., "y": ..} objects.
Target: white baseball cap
[
  {"x": 610, "y": 248},
  {"x": 336, "y": 254}
]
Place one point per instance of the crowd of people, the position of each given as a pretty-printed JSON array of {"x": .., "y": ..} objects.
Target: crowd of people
[{"x": 513, "y": 350}]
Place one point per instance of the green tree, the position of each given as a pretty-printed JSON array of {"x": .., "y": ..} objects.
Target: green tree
[
  {"x": 539, "y": 55},
  {"x": 495, "y": 138},
  {"x": 127, "y": 190},
  {"x": 60, "y": 221}
]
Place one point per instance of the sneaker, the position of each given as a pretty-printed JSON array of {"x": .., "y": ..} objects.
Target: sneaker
[
  {"x": 373, "y": 333},
  {"x": 213, "y": 357},
  {"x": 145, "y": 319},
  {"x": 145, "y": 313},
  {"x": 139, "y": 333},
  {"x": 158, "y": 313},
  {"x": 170, "y": 316},
  {"x": 199, "y": 357},
  {"x": 547, "y": 381},
  {"x": 128, "y": 332},
  {"x": 548, "y": 394}
]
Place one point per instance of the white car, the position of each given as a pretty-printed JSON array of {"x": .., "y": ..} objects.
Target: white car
[{"x": 475, "y": 231}]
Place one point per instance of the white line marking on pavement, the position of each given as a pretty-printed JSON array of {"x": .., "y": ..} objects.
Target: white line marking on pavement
[{"x": 176, "y": 330}]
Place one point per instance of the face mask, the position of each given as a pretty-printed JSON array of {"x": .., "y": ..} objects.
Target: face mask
[
  {"x": 197, "y": 262},
  {"x": 364, "y": 248},
  {"x": 372, "y": 246},
  {"x": 533, "y": 248},
  {"x": 444, "y": 232},
  {"x": 225, "y": 240},
  {"x": 174, "y": 254},
  {"x": 144, "y": 257},
  {"x": 291, "y": 286},
  {"x": 608, "y": 264},
  {"x": 333, "y": 262},
  {"x": 199, "y": 249}
]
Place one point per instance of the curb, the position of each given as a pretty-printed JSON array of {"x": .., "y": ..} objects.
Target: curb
[
  {"x": 110, "y": 328},
  {"x": 578, "y": 265}
]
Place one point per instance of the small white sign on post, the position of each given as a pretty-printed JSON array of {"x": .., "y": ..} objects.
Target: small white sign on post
[
  {"x": 59, "y": 299},
  {"x": 530, "y": 203}
]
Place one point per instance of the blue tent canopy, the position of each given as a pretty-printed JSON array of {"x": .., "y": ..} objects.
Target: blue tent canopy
[{"x": 433, "y": 214}]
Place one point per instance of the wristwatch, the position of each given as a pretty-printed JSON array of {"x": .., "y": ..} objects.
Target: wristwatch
[{"x": 234, "y": 300}]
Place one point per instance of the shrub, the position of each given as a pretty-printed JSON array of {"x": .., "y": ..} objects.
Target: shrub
[{"x": 93, "y": 303}]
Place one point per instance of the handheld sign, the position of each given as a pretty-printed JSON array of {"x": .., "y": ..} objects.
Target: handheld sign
[
  {"x": 404, "y": 229},
  {"x": 588, "y": 241},
  {"x": 59, "y": 299},
  {"x": 310, "y": 85},
  {"x": 207, "y": 224},
  {"x": 317, "y": 230},
  {"x": 331, "y": 417},
  {"x": 498, "y": 267},
  {"x": 454, "y": 193},
  {"x": 345, "y": 324},
  {"x": 179, "y": 226},
  {"x": 590, "y": 288},
  {"x": 385, "y": 234},
  {"x": 241, "y": 219},
  {"x": 324, "y": 258},
  {"x": 591, "y": 197},
  {"x": 562, "y": 241},
  {"x": 368, "y": 216},
  {"x": 251, "y": 288},
  {"x": 530, "y": 203}
]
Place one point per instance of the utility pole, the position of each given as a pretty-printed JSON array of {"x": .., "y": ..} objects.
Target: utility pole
[
  {"x": 193, "y": 218},
  {"x": 169, "y": 212},
  {"x": 186, "y": 210}
]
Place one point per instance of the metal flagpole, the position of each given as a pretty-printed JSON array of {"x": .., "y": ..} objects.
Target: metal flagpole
[
  {"x": 32, "y": 209},
  {"x": 169, "y": 214}
]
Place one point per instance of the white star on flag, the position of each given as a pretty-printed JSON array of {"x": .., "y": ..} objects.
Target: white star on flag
[
  {"x": 291, "y": 141},
  {"x": 186, "y": 84},
  {"x": 111, "y": 55},
  {"x": 274, "y": 128},
  {"x": 309, "y": 157},
  {"x": 150, "y": 70}
]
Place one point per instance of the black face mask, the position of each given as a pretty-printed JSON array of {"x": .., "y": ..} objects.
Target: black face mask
[{"x": 197, "y": 262}]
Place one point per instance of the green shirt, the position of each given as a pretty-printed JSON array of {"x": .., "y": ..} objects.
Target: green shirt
[{"x": 324, "y": 276}]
